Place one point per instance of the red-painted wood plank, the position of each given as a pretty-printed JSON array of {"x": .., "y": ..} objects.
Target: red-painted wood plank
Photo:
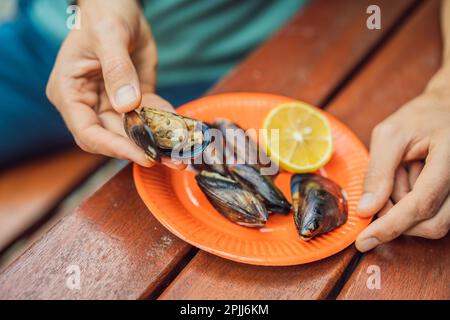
[
  {"x": 119, "y": 248},
  {"x": 29, "y": 190}
]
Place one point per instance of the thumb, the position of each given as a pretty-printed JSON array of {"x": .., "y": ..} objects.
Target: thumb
[{"x": 119, "y": 73}]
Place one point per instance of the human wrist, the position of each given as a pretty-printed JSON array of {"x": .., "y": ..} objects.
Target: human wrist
[{"x": 440, "y": 82}]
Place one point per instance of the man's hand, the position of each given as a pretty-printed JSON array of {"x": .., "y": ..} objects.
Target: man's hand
[
  {"x": 102, "y": 70},
  {"x": 410, "y": 166}
]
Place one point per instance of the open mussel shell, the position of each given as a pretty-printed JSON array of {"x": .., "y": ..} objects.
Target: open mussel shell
[
  {"x": 166, "y": 134},
  {"x": 262, "y": 186},
  {"x": 190, "y": 152},
  {"x": 232, "y": 200},
  {"x": 141, "y": 135},
  {"x": 319, "y": 205}
]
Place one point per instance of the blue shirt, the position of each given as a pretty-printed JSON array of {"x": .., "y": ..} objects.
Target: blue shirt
[{"x": 197, "y": 40}]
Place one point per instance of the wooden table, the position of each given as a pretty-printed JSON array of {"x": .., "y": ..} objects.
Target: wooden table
[{"x": 326, "y": 56}]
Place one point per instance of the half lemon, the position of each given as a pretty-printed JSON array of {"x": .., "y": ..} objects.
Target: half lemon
[{"x": 298, "y": 137}]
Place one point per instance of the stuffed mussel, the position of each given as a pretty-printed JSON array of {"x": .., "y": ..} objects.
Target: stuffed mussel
[
  {"x": 233, "y": 155},
  {"x": 262, "y": 186},
  {"x": 319, "y": 205},
  {"x": 165, "y": 134},
  {"x": 232, "y": 200}
]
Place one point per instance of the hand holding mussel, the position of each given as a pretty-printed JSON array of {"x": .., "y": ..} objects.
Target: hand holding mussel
[{"x": 165, "y": 134}]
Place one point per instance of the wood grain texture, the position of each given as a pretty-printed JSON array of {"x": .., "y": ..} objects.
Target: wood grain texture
[
  {"x": 315, "y": 51},
  {"x": 211, "y": 277},
  {"x": 398, "y": 73},
  {"x": 411, "y": 268},
  {"x": 29, "y": 190},
  {"x": 122, "y": 251},
  {"x": 208, "y": 277}
]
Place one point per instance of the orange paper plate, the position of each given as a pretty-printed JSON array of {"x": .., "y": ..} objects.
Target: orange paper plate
[{"x": 174, "y": 198}]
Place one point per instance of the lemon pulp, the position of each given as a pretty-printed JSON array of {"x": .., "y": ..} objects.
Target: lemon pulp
[{"x": 298, "y": 137}]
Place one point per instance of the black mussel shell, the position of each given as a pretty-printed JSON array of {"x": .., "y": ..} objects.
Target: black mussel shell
[
  {"x": 251, "y": 178},
  {"x": 319, "y": 205},
  {"x": 141, "y": 135},
  {"x": 231, "y": 200},
  {"x": 191, "y": 152}
]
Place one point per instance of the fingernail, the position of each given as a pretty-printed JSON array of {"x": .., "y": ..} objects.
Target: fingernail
[
  {"x": 125, "y": 95},
  {"x": 365, "y": 203},
  {"x": 146, "y": 164},
  {"x": 177, "y": 162},
  {"x": 367, "y": 244},
  {"x": 174, "y": 164}
]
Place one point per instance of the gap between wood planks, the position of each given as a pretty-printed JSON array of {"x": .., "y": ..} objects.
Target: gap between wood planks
[
  {"x": 50, "y": 212},
  {"x": 168, "y": 278},
  {"x": 334, "y": 292},
  {"x": 324, "y": 103},
  {"x": 360, "y": 65},
  {"x": 84, "y": 188}
]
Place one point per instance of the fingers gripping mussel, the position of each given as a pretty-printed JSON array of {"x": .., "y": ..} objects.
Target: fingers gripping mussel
[
  {"x": 165, "y": 134},
  {"x": 319, "y": 205},
  {"x": 263, "y": 187},
  {"x": 232, "y": 200},
  {"x": 141, "y": 134}
]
